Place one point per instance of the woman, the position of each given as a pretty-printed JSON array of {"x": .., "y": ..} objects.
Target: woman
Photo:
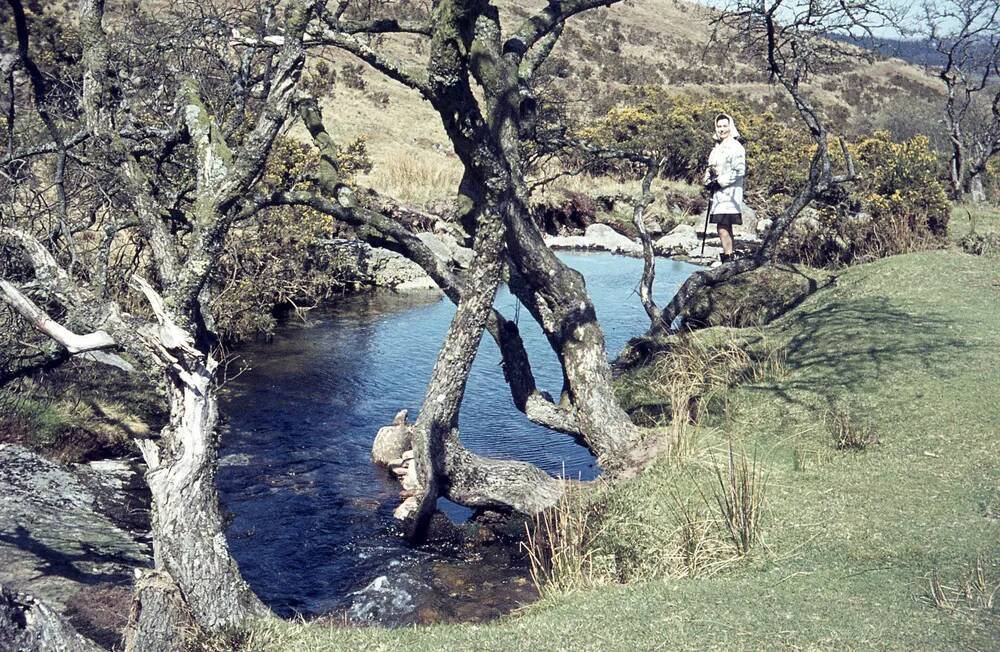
[{"x": 727, "y": 168}]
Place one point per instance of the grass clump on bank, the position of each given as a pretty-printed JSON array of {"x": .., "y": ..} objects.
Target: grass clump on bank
[
  {"x": 81, "y": 413},
  {"x": 857, "y": 542},
  {"x": 975, "y": 228}
]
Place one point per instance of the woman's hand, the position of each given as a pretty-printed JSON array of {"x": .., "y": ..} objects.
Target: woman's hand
[{"x": 711, "y": 183}]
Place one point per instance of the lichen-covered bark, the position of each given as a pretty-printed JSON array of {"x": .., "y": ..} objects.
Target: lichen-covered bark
[
  {"x": 557, "y": 298},
  {"x": 27, "y": 624},
  {"x": 189, "y": 540},
  {"x": 437, "y": 422}
]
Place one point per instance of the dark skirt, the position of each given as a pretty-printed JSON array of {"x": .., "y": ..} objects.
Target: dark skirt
[{"x": 725, "y": 219}]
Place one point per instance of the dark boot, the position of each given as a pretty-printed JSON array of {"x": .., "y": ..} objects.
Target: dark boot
[{"x": 726, "y": 258}]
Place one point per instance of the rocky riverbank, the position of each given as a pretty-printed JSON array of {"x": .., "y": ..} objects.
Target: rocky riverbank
[
  {"x": 387, "y": 269},
  {"x": 72, "y": 536},
  {"x": 683, "y": 242}
]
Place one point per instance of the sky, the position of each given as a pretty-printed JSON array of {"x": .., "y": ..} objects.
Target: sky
[{"x": 912, "y": 19}]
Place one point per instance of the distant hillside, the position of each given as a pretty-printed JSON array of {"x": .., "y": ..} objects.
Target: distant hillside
[
  {"x": 605, "y": 51},
  {"x": 917, "y": 52}
]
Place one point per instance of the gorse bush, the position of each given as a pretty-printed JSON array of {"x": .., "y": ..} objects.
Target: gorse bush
[
  {"x": 900, "y": 182},
  {"x": 278, "y": 261},
  {"x": 897, "y": 204}
]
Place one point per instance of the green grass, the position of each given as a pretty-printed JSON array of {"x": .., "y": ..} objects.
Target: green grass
[
  {"x": 83, "y": 413},
  {"x": 966, "y": 219},
  {"x": 852, "y": 539}
]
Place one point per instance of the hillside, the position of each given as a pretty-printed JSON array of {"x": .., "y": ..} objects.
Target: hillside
[{"x": 602, "y": 52}]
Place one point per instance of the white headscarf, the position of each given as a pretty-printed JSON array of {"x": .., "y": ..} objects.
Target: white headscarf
[{"x": 733, "y": 131}]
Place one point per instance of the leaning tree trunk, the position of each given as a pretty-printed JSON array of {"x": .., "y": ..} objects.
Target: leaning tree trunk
[
  {"x": 441, "y": 465},
  {"x": 557, "y": 298}
]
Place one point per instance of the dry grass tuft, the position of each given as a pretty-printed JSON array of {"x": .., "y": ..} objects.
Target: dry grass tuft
[
  {"x": 972, "y": 594},
  {"x": 560, "y": 547},
  {"x": 700, "y": 549},
  {"x": 849, "y": 431},
  {"x": 416, "y": 179},
  {"x": 695, "y": 370}
]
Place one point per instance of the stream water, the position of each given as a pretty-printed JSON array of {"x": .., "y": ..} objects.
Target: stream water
[{"x": 312, "y": 526}]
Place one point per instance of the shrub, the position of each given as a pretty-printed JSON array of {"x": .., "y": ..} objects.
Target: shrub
[
  {"x": 680, "y": 128},
  {"x": 277, "y": 261},
  {"x": 900, "y": 183},
  {"x": 898, "y": 204}
]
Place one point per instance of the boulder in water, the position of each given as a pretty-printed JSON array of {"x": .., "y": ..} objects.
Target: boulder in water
[{"x": 392, "y": 441}]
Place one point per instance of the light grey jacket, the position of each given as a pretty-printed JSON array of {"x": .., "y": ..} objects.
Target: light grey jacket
[{"x": 729, "y": 160}]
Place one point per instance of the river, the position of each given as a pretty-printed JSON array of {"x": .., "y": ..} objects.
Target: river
[{"x": 311, "y": 518}]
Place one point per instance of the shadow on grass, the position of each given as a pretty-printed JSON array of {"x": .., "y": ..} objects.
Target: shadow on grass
[{"x": 846, "y": 346}]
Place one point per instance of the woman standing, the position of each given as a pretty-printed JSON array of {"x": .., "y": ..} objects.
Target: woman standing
[{"x": 727, "y": 168}]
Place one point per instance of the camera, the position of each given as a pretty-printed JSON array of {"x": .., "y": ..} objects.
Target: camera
[{"x": 713, "y": 181}]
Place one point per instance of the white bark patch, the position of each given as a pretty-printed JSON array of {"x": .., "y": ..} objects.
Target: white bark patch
[
  {"x": 42, "y": 322},
  {"x": 213, "y": 166}
]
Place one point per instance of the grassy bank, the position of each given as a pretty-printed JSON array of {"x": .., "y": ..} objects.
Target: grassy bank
[
  {"x": 893, "y": 543},
  {"x": 973, "y": 218},
  {"x": 81, "y": 412}
]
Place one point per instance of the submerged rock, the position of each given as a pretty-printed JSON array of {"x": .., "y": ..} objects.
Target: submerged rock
[{"x": 387, "y": 601}]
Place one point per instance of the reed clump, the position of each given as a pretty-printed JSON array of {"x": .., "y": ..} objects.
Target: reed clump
[
  {"x": 696, "y": 371},
  {"x": 700, "y": 526},
  {"x": 561, "y": 548}
]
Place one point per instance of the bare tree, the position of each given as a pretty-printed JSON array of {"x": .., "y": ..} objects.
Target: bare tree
[
  {"x": 966, "y": 33},
  {"x": 791, "y": 39},
  {"x": 149, "y": 163}
]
